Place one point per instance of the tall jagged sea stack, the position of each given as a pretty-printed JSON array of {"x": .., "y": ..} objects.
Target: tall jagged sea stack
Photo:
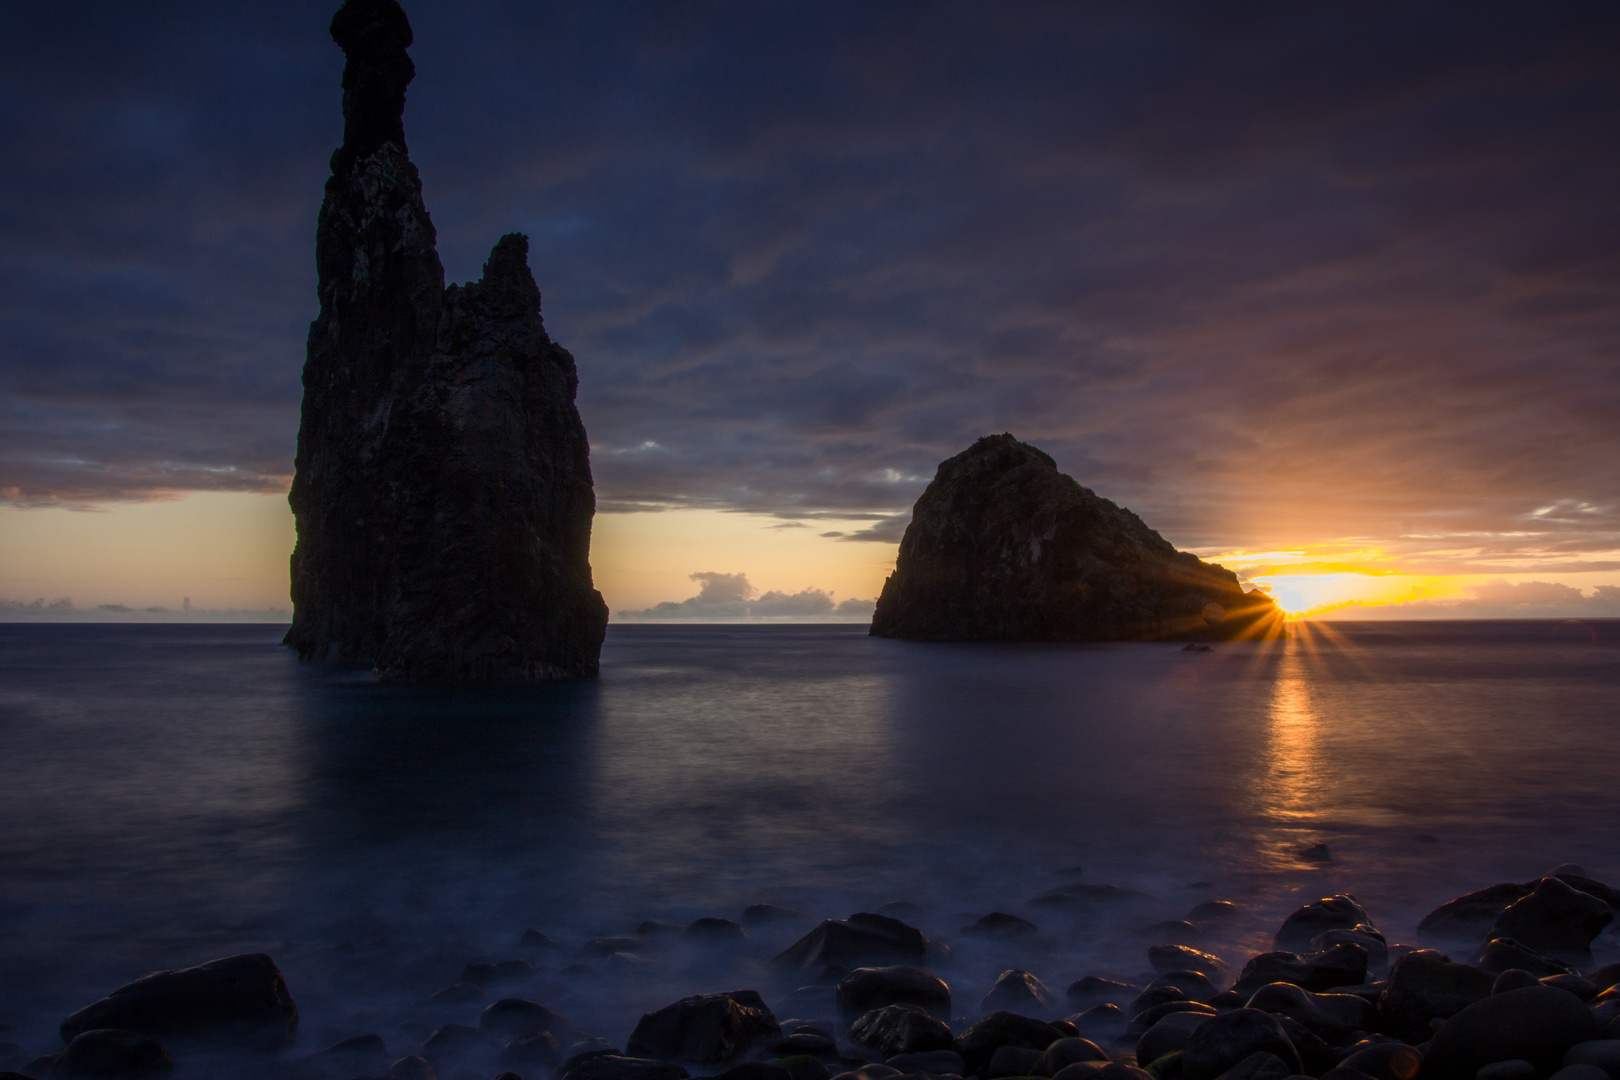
[
  {"x": 443, "y": 487},
  {"x": 1004, "y": 547}
]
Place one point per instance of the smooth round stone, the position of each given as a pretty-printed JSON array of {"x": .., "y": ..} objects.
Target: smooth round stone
[
  {"x": 1169, "y": 1035},
  {"x": 1579, "y": 1072},
  {"x": 1537, "y": 1023},
  {"x": 1604, "y": 1053},
  {"x": 1227, "y": 1039},
  {"x": 1513, "y": 979},
  {"x": 1516, "y": 1069}
]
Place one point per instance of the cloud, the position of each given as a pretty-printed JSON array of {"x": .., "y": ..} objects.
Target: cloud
[
  {"x": 730, "y": 597},
  {"x": 1275, "y": 273},
  {"x": 1499, "y": 599}
]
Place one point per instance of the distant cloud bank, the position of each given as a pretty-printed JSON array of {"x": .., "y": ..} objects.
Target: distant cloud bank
[
  {"x": 1500, "y": 599},
  {"x": 731, "y": 598},
  {"x": 63, "y": 609}
]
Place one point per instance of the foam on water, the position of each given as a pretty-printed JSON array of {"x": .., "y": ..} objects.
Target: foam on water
[{"x": 172, "y": 794}]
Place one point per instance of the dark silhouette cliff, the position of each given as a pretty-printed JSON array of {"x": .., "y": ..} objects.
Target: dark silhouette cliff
[
  {"x": 1003, "y": 547},
  {"x": 443, "y": 487}
]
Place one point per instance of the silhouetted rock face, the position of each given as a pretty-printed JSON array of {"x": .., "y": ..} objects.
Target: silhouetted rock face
[
  {"x": 1003, "y": 547},
  {"x": 443, "y": 488}
]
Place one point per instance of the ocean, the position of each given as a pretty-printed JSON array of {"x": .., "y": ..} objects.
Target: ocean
[{"x": 170, "y": 794}]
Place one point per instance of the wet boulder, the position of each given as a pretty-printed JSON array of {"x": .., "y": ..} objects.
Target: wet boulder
[
  {"x": 1467, "y": 917},
  {"x": 412, "y": 1067},
  {"x": 1603, "y": 1053},
  {"x": 934, "y": 1062},
  {"x": 1258, "y": 1066},
  {"x": 241, "y": 1001},
  {"x": 1225, "y": 1040},
  {"x": 509, "y": 1018},
  {"x": 1066, "y": 1052},
  {"x": 1554, "y": 919},
  {"x": 618, "y": 1067},
  {"x": 1504, "y": 954},
  {"x": 712, "y": 931},
  {"x": 1011, "y": 1061},
  {"x": 705, "y": 1028},
  {"x": 1017, "y": 991},
  {"x": 363, "y": 1055},
  {"x": 456, "y": 1046},
  {"x": 1366, "y": 937},
  {"x": 1103, "y": 1020},
  {"x": 1538, "y": 1024},
  {"x": 1344, "y": 964},
  {"x": 1389, "y": 1060},
  {"x": 901, "y": 1029},
  {"x": 106, "y": 1054},
  {"x": 980, "y": 1042},
  {"x": 1194, "y": 984},
  {"x": 1094, "y": 988},
  {"x": 870, "y": 988},
  {"x": 533, "y": 1054},
  {"x": 1339, "y": 912},
  {"x": 863, "y": 939},
  {"x": 1169, "y": 1035},
  {"x": 1425, "y": 986},
  {"x": 1329, "y": 1016},
  {"x": 1144, "y": 1021},
  {"x": 1168, "y": 958},
  {"x": 999, "y": 924}
]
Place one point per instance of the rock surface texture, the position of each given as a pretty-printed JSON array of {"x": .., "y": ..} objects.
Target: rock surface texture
[
  {"x": 1004, "y": 547},
  {"x": 443, "y": 488}
]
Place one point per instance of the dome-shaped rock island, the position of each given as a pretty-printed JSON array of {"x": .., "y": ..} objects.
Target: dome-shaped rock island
[{"x": 1004, "y": 547}]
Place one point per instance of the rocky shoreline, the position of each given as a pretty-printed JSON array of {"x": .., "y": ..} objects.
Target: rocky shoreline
[{"x": 1517, "y": 995}]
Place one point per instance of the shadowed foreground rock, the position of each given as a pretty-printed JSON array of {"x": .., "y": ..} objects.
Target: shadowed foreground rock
[
  {"x": 443, "y": 489},
  {"x": 1003, "y": 547},
  {"x": 239, "y": 1001}
]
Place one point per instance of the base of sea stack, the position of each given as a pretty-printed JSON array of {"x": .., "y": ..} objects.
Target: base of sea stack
[{"x": 1004, "y": 547}]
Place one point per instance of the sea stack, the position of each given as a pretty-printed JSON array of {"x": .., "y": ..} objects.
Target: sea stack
[
  {"x": 443, "y": 489},
  {"x": 1004, "y": 547}
]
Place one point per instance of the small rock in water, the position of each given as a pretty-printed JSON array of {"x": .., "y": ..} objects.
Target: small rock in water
[
  {"x": 412, "y": 1067},
  {"x": 1017, "y": 991},
  {"x": 1174, "y": 932},
  {"x": 1212, "y": 911},
  {"x": 1467, "y": 917},
  {"x": 978, "y": 1043},
  {"x": 535, "y": 1053},
  {"x": 363, "y": 1055},
  {"x": 1317, "y": 853},
  {"x": 1101, "y": 1020},
  {"x": 534, "y": 939},
  {"x": 511, "y": 1017},
  {"x": 1169, "y": 1035},
  {"x": 1340, "y": 965},
  {"x": 607, "y": 946},
  {"x": 1332, "y": 1017},
  {"x": 1366, "y": 937},
  {"x": 998, "y": 924},
  {"x": 458, "y": 1045},
  {"x": 1195, "y": 984}
]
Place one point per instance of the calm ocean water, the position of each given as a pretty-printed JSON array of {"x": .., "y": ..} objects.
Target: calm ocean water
[{"x": 176, "y": 793}]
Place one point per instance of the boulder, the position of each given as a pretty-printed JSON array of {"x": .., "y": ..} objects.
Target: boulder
[
  {"x": 1470, "y": 916},
  {"x": 1604, "y": 1053},
  {"x": 618, "y": 1067},
  {"x": 1503, "y": 954},
  {"x": 510, "y": 1017},
  {"x": 1066, "y": 1052},
  {"x": 533, "y": 1054},
  {"x": 1004, "y": 547},
  {"x": 1154, "y": 995},
  {"x": 1258, "y": 1066},
  {"x": 1579, "y": 1072},
  {"x": 1017, "y": 991},
  {"x": 704, "y": 1028},
  {"x": 1194, "y": 984},
  {"x": 1513, "y": 979},
  {"x": 1425, "y": 986},
  {"x": 412, "y": 1067},
  {"x": 803, "y": 1067},
  {"x": 1213, "y": 911},
  {"x": 901, "y": 1029},
  {"x": 1102, "y": 1020},
  {"x": 1537, "y": 1023},
  {"x": 1225, "y": 1040},
  {"x": 1386, "y": 1061},
  {"x": 454, "y": 1045},
  {"x": 534, "y": 939},
  {"x": 998, "y": 924},
  {"x": 870, "y": 988},
  {"x": 106, "y": 1054},
  {"x": 1340, "y": 965},
  {"x": 983, "y": 1039},
  {"x": 241, "y": 1001},
  {"x": 1169, "y": 958},
  {"x": 1581, "y": 987},
  {"x": 1330, "y": 1016},
  {"x": 1364, "y": 936},
  {"x": 1339, "y": 912},
  {"x": 1094, "y": 988},
  {"x": 709, "y": 930},
  {"x": 1554, "y": 919},
  {"x": 1143, "y": 1021},
  {"x": 1169, "y": 1035},
  {"x": 363, "y": 1055},
  {"x": 863, "y": 939},
  {"x": 1011, "y": 1061},
  {"x": 935, "y": 1063}
]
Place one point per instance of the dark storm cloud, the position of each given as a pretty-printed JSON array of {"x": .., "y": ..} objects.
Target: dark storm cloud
[{"x": 1252, "y": 269}]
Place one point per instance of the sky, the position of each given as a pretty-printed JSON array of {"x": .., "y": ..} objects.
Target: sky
[{"x": 1325, "y": 292}]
